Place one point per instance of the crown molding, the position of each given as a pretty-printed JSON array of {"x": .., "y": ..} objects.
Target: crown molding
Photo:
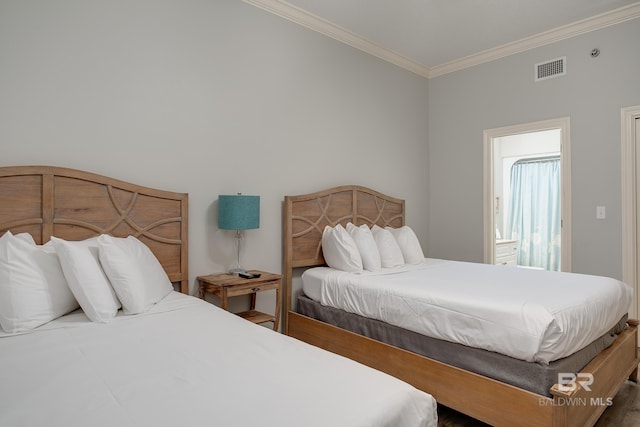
[
  {"x": 597, "y": 22},
  {"x": 320, "y": 25}
]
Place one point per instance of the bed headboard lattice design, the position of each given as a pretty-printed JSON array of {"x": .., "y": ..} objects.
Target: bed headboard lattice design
[
  {"x": 50, "y": 201},
  {"x": 306, "y": 216}
]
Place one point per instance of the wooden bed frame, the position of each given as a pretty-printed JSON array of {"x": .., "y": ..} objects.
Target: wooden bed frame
[
  {"x": 480, "y": 397},
  {"x": 74, "y": 205}
]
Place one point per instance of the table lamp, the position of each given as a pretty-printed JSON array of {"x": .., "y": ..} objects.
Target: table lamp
[{"x": 238, "y": 212}]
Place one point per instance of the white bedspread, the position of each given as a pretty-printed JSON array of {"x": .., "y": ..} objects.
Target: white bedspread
[
  {"x": 188, "y": 363},
  {"x": 533, "y": 315}
]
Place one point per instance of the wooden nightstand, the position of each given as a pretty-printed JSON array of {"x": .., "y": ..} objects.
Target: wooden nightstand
[{"x": 226, "y": 285}]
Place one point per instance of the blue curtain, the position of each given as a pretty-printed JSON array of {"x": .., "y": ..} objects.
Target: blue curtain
[{"x": 534, "y": 212}]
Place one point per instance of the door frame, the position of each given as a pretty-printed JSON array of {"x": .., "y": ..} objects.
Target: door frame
[
  {"x": 489, "y": 222},
  {"x": 629, "y": 168}
]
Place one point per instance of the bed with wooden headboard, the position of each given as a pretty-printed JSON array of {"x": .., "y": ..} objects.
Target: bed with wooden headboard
[
  {"x": 489, "y": 400},
  {"x": 160, "y": 365},
  {"x": 71, "y": 204}
]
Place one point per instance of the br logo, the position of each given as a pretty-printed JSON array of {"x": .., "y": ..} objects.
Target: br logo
[{"x": 568, "y": 381}]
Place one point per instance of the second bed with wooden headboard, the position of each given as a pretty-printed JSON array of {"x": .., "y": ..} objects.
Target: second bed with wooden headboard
[{"x": 497, "y": 402}]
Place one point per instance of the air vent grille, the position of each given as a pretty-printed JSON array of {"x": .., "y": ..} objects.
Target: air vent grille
[{"x": 550, "y": 69}]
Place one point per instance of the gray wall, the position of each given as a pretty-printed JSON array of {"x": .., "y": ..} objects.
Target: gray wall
[
  {"x": 208, "y": 97},
  {"x": 219, "y": 97},
  {"x": 501, "y": 93}
]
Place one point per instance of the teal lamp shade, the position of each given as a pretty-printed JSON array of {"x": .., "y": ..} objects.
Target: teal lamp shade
[{"x": 238, "y": 212}]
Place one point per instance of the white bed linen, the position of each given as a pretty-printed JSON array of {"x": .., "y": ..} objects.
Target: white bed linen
[
  {"x": 533, "y": 315},
  {"x": 188, "y": 363}
]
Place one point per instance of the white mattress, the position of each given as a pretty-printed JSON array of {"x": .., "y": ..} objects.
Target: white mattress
[
  {"x": 188, "y": 363},
  {"x": 532, "y": 315}
]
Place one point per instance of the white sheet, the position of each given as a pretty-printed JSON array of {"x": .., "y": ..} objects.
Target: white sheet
[
  {"x": 533, "y": 315},
  {"x": 188, "y": 363}
]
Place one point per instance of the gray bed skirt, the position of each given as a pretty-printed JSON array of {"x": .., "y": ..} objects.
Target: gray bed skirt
[{"x": 534, "y": 377}]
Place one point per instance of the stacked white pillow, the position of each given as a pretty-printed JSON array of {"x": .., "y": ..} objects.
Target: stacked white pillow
[
  {"x": 359, "y": 248},
  {"x": 340, "y": 250},
  {"x": 366, "y": 246},
  {"x": 39, "y": 283},
  {"x": 408, "y": 243},
  {"x": 33, "y": 289},
  {"x": 87, "y": 280},
  {"x": 390, "y": 252},
  {"x": 135, "y": 273}
]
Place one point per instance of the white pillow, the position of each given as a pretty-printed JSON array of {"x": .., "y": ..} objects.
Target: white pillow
[
  {"x": 366, "y": 246},
  {"x": 27, "y": 237},
  {"x": 86, "y": 279},
  {"x": 390, "y": 252},
  {"x": 33, "y": 290},
  {"x": 409, "y": 244},
  {"x": 340, "y": 250},
  {"x": 134, "y": 272}
]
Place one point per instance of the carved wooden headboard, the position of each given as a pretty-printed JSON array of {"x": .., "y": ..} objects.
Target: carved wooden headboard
[
  {"x": 74, "y": 205},
  {"x": 306, "y": 216}
]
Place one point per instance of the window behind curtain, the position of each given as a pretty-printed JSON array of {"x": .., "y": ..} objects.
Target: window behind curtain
[{"x": 534, "y": 212}]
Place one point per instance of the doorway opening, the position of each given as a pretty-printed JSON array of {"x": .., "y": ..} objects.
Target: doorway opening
[
  {"x": 630, "y": 124},
  {"x": 527, "y": 195}
]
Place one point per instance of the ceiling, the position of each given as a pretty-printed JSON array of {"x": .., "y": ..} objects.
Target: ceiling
[{"x": 433, "y": 37}]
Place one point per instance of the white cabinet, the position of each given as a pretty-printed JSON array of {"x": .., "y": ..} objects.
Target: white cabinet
[{"x": 507, "y": 252}]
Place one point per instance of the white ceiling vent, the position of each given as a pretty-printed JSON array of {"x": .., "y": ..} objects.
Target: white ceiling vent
[{"x": 550, "y": 69}]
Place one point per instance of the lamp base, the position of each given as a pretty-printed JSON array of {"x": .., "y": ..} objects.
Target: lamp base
[{"x": 237, "y": 270}]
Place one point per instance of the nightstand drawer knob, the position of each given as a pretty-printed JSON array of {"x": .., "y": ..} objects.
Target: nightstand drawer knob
[{"x": 255, "y": 289}]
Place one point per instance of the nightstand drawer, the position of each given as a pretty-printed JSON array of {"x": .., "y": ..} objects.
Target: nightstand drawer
[
  {"x": 506, "y": 248},
  {"x": 250, "y": 288}
]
